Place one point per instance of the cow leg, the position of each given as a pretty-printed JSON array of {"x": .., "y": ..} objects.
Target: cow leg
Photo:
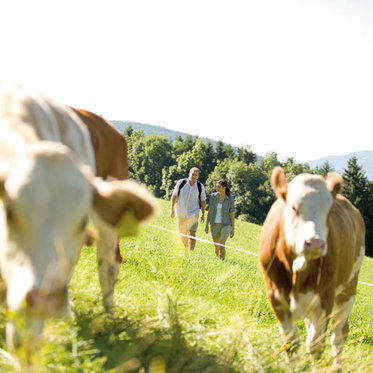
[
  {"x": 289, "y": 335},
  {"x": 340, "y": 330},
  {"x": 287, "y": 326},
  {"x": 316, "y": 330},
  {"x": 108, "y": 259},
  {"x": 24, "y": 340},
  {"x": 316, "y": 323}
]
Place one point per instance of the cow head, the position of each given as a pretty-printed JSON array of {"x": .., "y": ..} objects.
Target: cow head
[
  {"x": 308, "y": 199},
  {"x": 45, "y": 201}
]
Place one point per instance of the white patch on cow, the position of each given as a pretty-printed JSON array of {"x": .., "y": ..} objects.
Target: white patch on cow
[
  {"x": 311, "y": 335},
  {"x": 307, "y": 206},
  {"x": 355, "y": 269},
  {"x": 304, "y": 304},
  {"x": 357, "y": 264},
  {"x": 299, "y": 264},
  {"x": 20, "y": 284},
  {"x": 280, "y": 297}
]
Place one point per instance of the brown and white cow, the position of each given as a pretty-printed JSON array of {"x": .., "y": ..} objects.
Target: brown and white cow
[
  {"x": 311, "y": 250},
  {"x": 47, "y": 191},
  {"x": 110, "y": 150}
]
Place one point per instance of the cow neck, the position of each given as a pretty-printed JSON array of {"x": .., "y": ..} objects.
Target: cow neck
[
  {"x": 310, "y": 276},
  {"x": 283, "y": 252}
]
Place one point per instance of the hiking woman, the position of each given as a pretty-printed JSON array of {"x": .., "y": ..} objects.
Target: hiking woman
[{"x": 221, "y": 214}]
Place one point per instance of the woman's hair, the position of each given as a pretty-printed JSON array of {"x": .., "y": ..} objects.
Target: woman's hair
[{"x": 224, "y": 184}]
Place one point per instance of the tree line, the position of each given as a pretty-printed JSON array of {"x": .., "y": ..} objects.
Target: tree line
[{"x": 158, "y": 163}]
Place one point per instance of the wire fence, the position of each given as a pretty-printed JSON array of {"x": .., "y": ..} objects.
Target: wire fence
[{"x": 218, "y": 244}]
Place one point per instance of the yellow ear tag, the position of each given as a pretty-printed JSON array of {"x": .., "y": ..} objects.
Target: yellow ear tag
[{"x": 128, "y": 225}]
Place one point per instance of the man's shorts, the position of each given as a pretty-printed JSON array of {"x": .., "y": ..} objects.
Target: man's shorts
[
  {"x": 187, "y": 224},
  {"x": 217, "y": 229}
]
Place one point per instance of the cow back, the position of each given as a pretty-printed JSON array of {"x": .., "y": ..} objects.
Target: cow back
[
  {"x": 109, "y": 146},
  {"x": 27, "y": 117}
]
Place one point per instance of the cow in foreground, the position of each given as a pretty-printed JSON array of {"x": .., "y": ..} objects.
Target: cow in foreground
[
  {"x": 311, "y": 250},
  {"x": 110, "y": 150},
  {"x": 47, "y": 191}
]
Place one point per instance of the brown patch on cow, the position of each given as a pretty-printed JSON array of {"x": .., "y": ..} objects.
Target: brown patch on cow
[{"x": 109, "y": 145}]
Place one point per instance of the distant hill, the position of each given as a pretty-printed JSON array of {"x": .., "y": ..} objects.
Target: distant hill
[
  {"x": 150, "y": 129},
  {"x": 338, "y": 162}
]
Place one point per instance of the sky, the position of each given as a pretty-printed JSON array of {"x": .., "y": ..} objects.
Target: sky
[{"x": 293, "y": 77}]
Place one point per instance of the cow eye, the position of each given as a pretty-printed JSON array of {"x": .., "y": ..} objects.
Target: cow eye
[{"x": 295, "y": 210}]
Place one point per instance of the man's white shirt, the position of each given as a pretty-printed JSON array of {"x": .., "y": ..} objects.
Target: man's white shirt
[{"x": 188, "y": 203}]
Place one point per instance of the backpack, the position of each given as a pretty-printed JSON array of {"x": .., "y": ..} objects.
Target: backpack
[{"x": 199, "y": 185}]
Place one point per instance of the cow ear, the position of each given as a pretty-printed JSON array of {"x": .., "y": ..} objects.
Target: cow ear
[
  {"x": 279, "y": 184},
  {"x": 334, "y": 183},
  {"x": 123, "y": 204}
]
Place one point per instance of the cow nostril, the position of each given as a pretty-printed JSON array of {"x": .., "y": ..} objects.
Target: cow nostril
[{"x": 314, "y": 244}]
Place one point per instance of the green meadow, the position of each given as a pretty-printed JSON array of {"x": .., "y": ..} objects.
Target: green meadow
[{"x": 180, "y": 311}]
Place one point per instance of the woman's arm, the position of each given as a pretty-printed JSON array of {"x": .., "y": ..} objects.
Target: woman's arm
[
  {"x": 207, "y": 221},
  {"x": 232, "y": 216}
]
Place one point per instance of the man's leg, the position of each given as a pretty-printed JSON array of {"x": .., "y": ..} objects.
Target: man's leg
[
  {"x": 182, "y": 224},
  {"x": 191, "y": 241},
  {"x": 192, "y": 228}
]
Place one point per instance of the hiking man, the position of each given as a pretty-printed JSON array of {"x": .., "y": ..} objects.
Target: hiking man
[{"x": 190, "y": 196}]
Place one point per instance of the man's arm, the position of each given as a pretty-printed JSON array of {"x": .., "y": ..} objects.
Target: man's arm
[
  {"x": 203, "y": 208},
  {"x": 173, "y": 203}
]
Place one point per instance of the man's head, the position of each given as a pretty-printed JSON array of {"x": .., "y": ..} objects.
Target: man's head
[{"x": 194, "y": 174}]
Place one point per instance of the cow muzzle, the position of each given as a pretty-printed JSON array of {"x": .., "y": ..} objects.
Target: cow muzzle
[
  {"x": 314, "y": 248},
  {"x": 44, "y": 304}
]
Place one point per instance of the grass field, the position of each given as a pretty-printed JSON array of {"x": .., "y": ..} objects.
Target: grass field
[{"x": 181, "y": 311}]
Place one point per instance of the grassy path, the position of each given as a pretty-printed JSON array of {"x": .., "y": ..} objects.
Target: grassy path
[{"x": 181, "y": 311}]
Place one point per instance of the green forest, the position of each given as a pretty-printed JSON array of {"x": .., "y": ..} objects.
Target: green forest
[{"x": 159, "y": 162}]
